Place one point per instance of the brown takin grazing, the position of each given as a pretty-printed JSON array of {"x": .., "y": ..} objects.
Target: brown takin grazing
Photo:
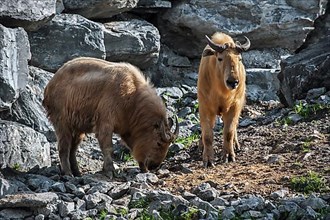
[
  {"x": 88, "y": 95},
  {"x": 221, "y": 91}
]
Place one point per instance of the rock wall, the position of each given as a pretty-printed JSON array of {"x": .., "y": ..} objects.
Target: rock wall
[{"x": 164, "y": 38}]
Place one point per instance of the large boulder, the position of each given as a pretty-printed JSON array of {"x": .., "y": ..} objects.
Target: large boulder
[
  {"x": 65, "y": 37},
  {"x": 28, "y": 109},
  {"x": 283, "y": 24},
  {"x": 14, "y": 57},
  {"x": 134, "y": 41},
  {"x": 98, "y": 8},
  {"x": 22, "y": 148},
  {"x": 309, "y": 68},
  {"x": 29, "y": 14}
]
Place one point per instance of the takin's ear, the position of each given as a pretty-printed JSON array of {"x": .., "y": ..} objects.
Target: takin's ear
[{"x": 208, "y": 52}]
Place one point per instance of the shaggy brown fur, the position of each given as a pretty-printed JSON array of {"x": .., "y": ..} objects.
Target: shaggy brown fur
[
  {"x": 221, "y": 91},
  {"x": 88, "y": 95}
]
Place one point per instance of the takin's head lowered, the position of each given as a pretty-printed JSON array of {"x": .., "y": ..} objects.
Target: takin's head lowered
[{"x": 88, "y": 95}]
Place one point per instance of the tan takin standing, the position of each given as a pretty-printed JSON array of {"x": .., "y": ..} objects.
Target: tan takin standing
[
  {"x": 221, "y": 91},
  {"x": 91, "y": 95}
]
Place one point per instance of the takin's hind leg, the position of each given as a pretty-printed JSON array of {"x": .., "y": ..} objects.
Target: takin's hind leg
[
  {"x": 76, "y": 140},
  {"x": 230, "y": 121},
  {"x": 64, "y": 139}
]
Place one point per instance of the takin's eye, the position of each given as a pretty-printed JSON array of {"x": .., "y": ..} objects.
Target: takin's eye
[{"x": 219, "y": 59}]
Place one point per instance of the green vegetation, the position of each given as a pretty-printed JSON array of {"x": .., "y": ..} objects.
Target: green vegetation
[
  {"x": 312, "y": 182},
  {"x": 103, "y": 214},
  {"x": 187, "y": 141},
  {"x": 141, "y": 203},
  {"x": 306, "y": 110},
  {"x": 125, "y": 157},
  {"x": 192, "y": 213},
  {"x": 306, "y": 145},
  {"x": 16, "y": 166}
]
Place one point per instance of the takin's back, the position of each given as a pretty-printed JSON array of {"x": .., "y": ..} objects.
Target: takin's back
[{"x": 83, "y": 85}]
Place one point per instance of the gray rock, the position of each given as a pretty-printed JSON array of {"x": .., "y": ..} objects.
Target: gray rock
[
  {"x": 202, "y": 205},
  {"x": 119, "y": 191},
  {"x": 262, "y": 84},
  {"x": 28, "y": 109},
  {"x": 30, "y": 200},
  {"x": 309, "y": 68},
  {"x": 134, "y": 41},
  {"x": 14, "y": 57},
  {"x": 315, "y": 93},
  {"x": 65, "y": 37},
  {"x": 59, "y": 187},
  {"x": 268, "y": 25},
  {"x": 205, "y": 192},
  {"x": 29, "y": 14},
  {"x": 279, "y": 194},
  {"x": 98, "y": 8},
  {"x": 228, "y": 213},
  {"x": 7, "y": 187},
  {"x": 64, "y": 208},
  {"x": 22, "y": 147},
  {"x": 315, "y": 203},
  {"x": 14, "y": 214}
]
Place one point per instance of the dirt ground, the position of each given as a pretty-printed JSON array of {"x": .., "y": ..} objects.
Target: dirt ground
[{"x": 272, "y": 153}]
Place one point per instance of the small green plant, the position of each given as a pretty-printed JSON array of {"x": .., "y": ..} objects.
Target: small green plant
[
  {"x": 141, "y": 203},
  {"x": 16, "y": 166},
  {"x": 286, "y": 121},
  {"x": 312, "y": 182},
  {"x": 306, "y": 110},
  {"x": 125, "y": 157},
  {"x": 103, "y": 214},
  {"x": 192, "y": 213},
  {"x": 187, "y": 141},
  {"x": 306, "y": 146},
  {"x": 122, "y": 211}
]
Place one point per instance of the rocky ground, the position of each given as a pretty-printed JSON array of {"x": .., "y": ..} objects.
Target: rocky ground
[{"x": 277, "y": 145}]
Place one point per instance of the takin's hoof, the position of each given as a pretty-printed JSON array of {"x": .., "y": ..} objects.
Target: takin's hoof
[
  {"x": 207, "y": 164},
  {"x": 109, "y": 173}
]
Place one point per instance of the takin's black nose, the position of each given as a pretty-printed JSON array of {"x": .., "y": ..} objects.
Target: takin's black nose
[{"x": 232, "y": 84}]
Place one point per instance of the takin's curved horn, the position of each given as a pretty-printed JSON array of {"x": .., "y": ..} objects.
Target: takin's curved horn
[
  {"x": 217, "y": 47},
  {"x": 243, "y": 47},
  {"x": 163, "y": 134}
]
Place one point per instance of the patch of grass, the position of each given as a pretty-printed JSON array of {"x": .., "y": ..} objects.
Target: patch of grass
[
  {"x": 125, "y": 157},
  {"x": 103, "y": 214},
  {"x": 122, "y": 211},
  {"x": 187, "y": 141},
  {"x": 305, "y": 110},
  {"x": 192, "y": 213},
  {"x": 312, "y": 182},
  {"x": 306, "y": 146},
  {"x": 141, "y": 203},
  {"x": 286, "y": 121},
  {"x": 17, "y": 166}
]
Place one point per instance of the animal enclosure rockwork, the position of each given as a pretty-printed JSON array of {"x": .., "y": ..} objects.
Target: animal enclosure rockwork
[{"x": 96, "y": 96}]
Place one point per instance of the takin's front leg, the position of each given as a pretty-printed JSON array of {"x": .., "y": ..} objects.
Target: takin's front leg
[
  {"x": 207, "y": 124},
  {"x": 105, "y": 141},
  {"x": 230, "y": 121}
]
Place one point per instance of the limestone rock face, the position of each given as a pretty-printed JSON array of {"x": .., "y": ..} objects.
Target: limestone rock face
[
  {"x": 309, "y": 68},
  {"x": 65, "y": 37},
  {"x": 29, "y": 14},
  {"x": 135, "y": 41},
  {"x": 268, "y": 24},
  {"x": 22, "y": 147},
  {"x": 14, "y": 57},
  {"x": 28, "y": 109},
  {"x": 98, "y": 8}
]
